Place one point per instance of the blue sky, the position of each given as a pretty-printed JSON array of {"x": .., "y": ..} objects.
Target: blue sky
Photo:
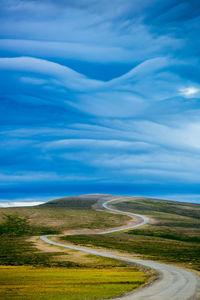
[{"x": 99, "y": 96}]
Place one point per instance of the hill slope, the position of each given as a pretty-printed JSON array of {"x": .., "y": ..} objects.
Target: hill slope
[{"x": 75, "y": 202}]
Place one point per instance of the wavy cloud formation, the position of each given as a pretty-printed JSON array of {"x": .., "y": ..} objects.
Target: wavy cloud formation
[{"x": 99, "y": 96}]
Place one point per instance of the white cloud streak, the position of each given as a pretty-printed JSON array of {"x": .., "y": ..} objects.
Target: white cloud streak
[
  {"x": 19, "y": 204},
  {"x": 189, "y": 91}
]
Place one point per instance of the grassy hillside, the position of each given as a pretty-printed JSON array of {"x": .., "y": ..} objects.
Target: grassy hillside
[
  {"x": 169, "y": 216},
  {"x": 74, "y": 202},
  {"x": 18, "y": 224},
  {"x": 172, "y": 235},
  {"x": 78, "y": 201},
  {"x": 32, "y": 269},
  {"x": 67, "y": 213},
  {"x": 60, "y": 219}
]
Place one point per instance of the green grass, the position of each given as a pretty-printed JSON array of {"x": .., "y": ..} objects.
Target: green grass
[
  {"x": 181, "y": 219},
  {"x": 152, "y": 205},
  {"x": 173, "y": 235},
  {"x": 149, "y": 247},
  {"x": 74, "y": 202},
  {"x": 17, "y": 250},
  {"x": 62, "y": 284},
  {"x": 60, "y": 219},
  {"x": 166, "y": 235},
  {"x": 57, "y": 275},
  {"x": 77, "y": 202},
  {"x": 16, "y": 225}
]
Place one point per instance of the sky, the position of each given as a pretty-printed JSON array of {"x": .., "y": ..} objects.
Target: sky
[{"x": 99, "y": 97}]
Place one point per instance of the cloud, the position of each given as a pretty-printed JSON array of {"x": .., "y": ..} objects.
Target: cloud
[
  {"x": 91, "y": 31},
  {"x": 65, "y": 76},
  {"x": 67, "y": 50},
  {"x": 189, "y": 91},
  {"x": 19, "y": 204},
  {"x": 29, "y": 176},
  {"x": 52, "y": 81},
  {"x": 100, "y": 92},
  {"x": 97, "y": 144},
  {"x": 60, "y": 144}
]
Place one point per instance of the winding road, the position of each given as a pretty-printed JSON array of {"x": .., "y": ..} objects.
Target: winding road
[{"x": 173, "y": 283}]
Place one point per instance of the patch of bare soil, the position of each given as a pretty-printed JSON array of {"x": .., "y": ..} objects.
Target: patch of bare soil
[{"x": 42, "y": 246}]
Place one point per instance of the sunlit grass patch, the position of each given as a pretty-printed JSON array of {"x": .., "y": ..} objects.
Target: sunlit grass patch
[{"x": 69, "y": 284}]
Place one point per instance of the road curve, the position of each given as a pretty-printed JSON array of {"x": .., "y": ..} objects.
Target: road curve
[
  {"x": 141, "y": 220},
  {"x": 174, "y": 283}
]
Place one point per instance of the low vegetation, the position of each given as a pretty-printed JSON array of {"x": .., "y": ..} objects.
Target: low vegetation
[
  {"x": 172, "y": 235},
  {"x": 88, "y": 278},
  {"x": 176, "y": 218},
  {"x": 61, "y": 283},
  {"x": 60, "y": 219},
  {"x": 166, "y": 235},
  {"x": 74, "y": 202},
  {"x": 17, "y": 249},
  {"x": 149, "y": 247},
  {"x": 54, "y": 273},
  {"x": 26, "y": 272},
  {"x": 15, "y": 225},
  {"x": 164, "y": 206}
]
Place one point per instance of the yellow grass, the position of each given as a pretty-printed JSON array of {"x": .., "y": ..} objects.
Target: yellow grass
[{"x": 30, "y": 283}]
